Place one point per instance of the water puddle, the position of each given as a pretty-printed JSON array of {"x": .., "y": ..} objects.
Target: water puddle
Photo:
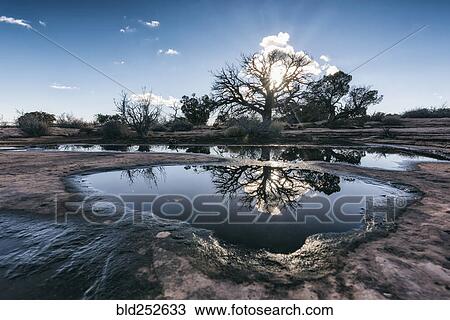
[
  {"x": 259, "y": 207},
  {"x": 380, "y": 158}
]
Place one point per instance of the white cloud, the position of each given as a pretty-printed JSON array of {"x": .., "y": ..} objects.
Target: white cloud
[
  {"x": 169, "y": 52},
  {"x": 331, "y": 70},
  {"x": 325, "y": 58},
  {"x": 19, "y": 22},
  {"x": 62, "y": 87},
  {"x": 277, "y": 42},
  {"x": 281, "y": 42},
  {"x": 127, "y": 29},
  {"x": 151, "y": 24},
  {"x": 119, "y": 62},
  {"x": 156, "y": 99},
  {"x": 43, "y": 23}
]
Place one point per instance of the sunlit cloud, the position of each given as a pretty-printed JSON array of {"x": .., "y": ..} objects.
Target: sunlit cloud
[
  {"x": 277, "y": 42},
  {"x": 119, "y": 62},
  {"x": 62, "y": 87},
  {"x": 324, "y": 58},
  {"x": 280, "y": 42},
  {"x": 43, "y": 23},
  {"x": 127, "y": 29},
  {"x": 151, "y": 24},
  {"x": 19, "y": 22},
  {"x": 331, "y": 70},
  {"x": 156, "y": 99}
]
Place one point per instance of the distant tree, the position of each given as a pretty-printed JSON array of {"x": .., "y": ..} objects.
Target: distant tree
[
  {"x": 138, "y": 112},
  {"x": 358, "y": 100},
  {"x": 103, "y": 118},
  {"x": 327, "y": 94},
  {"x": 262, "y": 84},
  {"x": 197, "y": 110}
]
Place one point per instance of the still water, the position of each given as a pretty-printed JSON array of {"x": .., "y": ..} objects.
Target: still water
[
  {"x": 261, "y": 207},
  {"x": 381, "y": 158}
]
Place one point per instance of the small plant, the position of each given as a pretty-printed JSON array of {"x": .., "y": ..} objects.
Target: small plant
[
  {"x": 387, "y": 133},
  {"x": 66, "y": 120},
  {"x": 115, "y": 130}
]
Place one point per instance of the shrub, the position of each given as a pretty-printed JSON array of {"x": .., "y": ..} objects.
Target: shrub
[
  {"x": 33, "y": 126},
  {"x": 392, "y": 120},
  {"x": 159, "y": 127},
  {"x": 35, "y": 123},
  {"x": 432, "y": 112},
  {"x": 48, "y": 118},
  {"x": 387, "y": 133},
  {"x": 104, "y": 118},
  {"x": 66, "y": 120},
  {"x": 115, "y": 130},
  {"x": 180, "y": 124},
  {"x": 252, "y": 128},
  {"x": 234, "y": 131},
  {"x": 377, "y": 116}
]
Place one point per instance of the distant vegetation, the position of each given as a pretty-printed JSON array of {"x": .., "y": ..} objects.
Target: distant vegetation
[
  {"x": 255, "y": 99},
  {"x": 430, "y": 112}
]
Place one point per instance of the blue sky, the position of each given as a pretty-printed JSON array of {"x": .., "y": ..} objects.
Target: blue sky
[{"x": 203, "y": 36}]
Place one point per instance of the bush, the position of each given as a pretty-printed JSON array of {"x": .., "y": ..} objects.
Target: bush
[
  {"x": 104, "y": 118},
  {"x": 35, "y": 123},
  {"x": 159, "y": 127},
  {"x": 391, "y": 120},
  {"x": 432, "y": 112},
  {"x": 377, "y": 116},
  {"x": 388, "y": 134},
  {"x": 234, "y": 131},
  {"x": 115, "y": 130},
  {"x": 48, "y": 118},
  {"x": 66, "y": 120},
  {"x": 33, "y": 126},
  {"x": 252, "y": 128},
  {"x": 180, "y": 124}
]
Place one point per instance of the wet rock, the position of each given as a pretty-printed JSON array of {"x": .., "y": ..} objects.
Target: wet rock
[{"x": 163, "y": 234}]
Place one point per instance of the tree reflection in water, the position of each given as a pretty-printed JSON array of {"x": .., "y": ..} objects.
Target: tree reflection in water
[
  {"x": 151, "y": 175},
  {"x": 269, "y": 189}
]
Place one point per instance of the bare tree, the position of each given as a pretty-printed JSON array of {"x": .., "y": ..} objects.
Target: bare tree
[
  {"x": 262, "y": 84},
  {"x": 138, "y": 112}
]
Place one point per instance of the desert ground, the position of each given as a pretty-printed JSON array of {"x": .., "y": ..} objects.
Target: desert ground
[{"x": 413, "y": 262}]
